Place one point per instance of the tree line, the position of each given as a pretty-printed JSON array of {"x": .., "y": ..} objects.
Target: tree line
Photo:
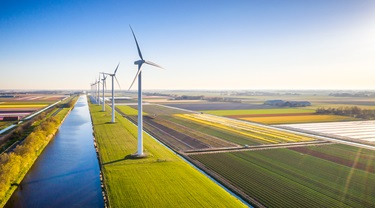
[
  {"x": 353, "y": 111},
  {"x": 14, "y": 164}
]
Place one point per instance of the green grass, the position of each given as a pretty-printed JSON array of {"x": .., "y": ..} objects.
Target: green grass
[
  {"x": 258, "y": 111},
  {"x": 128, "y": 110},
  {"x": 4, "y": 124},
  {"x": 286, "y": 178},
  {"x": 161, "y": 180}
]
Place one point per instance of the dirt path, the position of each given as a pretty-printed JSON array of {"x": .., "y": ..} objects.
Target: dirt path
[{"x": 253, "y": 148}]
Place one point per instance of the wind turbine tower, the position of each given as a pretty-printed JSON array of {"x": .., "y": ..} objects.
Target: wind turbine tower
[
  {"x": 98, "y": 91},
  {"x": 113, "y": 87},
  {"x": 139, "y": 63},
  {"x": 104, "y": 85}
]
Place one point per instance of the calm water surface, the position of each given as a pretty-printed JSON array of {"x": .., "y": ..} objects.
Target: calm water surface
[{"x": 67, "y": 172}]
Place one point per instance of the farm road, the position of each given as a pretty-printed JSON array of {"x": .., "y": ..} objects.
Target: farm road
[{"x": 253, "y": 148}]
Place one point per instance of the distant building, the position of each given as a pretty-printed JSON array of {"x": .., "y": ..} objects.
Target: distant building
[
  {"x": 11, "y": 118},
  {"x": 283, "y": 103},
  {"x": 7, "y": 96},
  {"x": 274, "y": 102}
]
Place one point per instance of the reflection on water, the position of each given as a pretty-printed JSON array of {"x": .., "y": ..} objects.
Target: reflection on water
[{"x": 67, "y": 172}]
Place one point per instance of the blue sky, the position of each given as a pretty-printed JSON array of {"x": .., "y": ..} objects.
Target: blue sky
[{"x": 240, "y": 44}]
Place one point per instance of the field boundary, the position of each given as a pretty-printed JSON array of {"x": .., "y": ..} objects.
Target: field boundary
[{"x": 258, "y": 147}]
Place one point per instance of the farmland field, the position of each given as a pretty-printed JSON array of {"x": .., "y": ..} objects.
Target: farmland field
[
  {"x": 4, "y": 124},
  {"x": 274, "y": 111},
  {"x": 260, "y": 134},
  {"x": 329, "y": 175},
  {"x": 202, "y": 131},
  {"x": 160, "y": 180},
  {"x": 24, "y": 104},
  {"x": 361, "y": 131},
  {"x": 218, "y": 106},
  {"x": 295, "y": 119},
  {"x": 322, "y": 176}
]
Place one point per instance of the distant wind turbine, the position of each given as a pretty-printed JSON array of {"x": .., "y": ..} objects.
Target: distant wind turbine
[
  {"x": 92, "y": 90},
  {"x": 139, "y": 76},
  {"x": 98, "y": 92},
  {"x": 104, "y": 86},
  {"x": 113, "y": 87}
]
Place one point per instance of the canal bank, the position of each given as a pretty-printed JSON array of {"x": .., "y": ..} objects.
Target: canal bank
[{"x": 67, "y": 173}]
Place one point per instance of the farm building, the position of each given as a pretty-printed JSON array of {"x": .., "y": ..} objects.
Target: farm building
[{"x": 283, "y": 103}]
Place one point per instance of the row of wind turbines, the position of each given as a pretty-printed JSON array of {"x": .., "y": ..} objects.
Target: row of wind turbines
[{"x": 95, "y": 93}]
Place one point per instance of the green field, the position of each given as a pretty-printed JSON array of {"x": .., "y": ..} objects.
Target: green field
[
  {"x": 259, "y": 111},
  {"x": 128, "y": 110},
  {"x": 321, "y": 176},
  {"x": 161, "y": 180},
  {"x": 4, "y": 124}
]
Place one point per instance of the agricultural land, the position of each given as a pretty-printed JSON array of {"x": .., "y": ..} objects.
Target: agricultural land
[
  {"x": 266, "y": 166},
  {"x": 161, "y": 180}
]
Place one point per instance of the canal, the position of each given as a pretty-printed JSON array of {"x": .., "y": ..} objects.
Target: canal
[{"x": 67, "y": 172}]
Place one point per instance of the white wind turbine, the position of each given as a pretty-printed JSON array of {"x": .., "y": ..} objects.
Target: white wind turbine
[
  {"x": 92, "y": 91},
  {"x": 138, "y": 75},
  {"x": 113, "y": 87},
  {"x": 104, "y": 86},
  {"x": 98, "y": 90}
]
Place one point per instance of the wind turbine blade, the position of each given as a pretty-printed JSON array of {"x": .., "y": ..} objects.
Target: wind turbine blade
[
  {"x": 136, "y": 76},
  {"x": 136, "y": 42},
  {"x": 116, "y": 68},
  {"x": 153, "y": 64},
  {"x": 118, "y": 83}
]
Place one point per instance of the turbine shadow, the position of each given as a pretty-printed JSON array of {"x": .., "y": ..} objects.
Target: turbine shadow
[{"x": 127, "y": 157}]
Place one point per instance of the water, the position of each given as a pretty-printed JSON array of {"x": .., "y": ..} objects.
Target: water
[{"x": 67, "y": 172}]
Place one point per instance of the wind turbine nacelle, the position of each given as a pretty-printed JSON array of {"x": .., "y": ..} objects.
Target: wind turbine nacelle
[{"x": 139, "y": 62}]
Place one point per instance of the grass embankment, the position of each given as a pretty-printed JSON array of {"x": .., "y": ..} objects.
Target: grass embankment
[
  {"x": 160, "y": 180},
  {"x": 322, "y": 176},
  {"x": 15, "y": 165}
]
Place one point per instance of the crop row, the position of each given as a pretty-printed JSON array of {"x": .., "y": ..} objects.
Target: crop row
[
  {"x": 199, "y": 135},
  {"x": 215, "y": 131},
  {"x": 346, "y": 155},
  {"x": 264, "y": 134},
  {"x": 284, "y": 178}
]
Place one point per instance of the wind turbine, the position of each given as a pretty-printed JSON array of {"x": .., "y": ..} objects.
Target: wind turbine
[
  {"x": 104, "y": 85},
  {"x": 113, "y": 87},
  {"x": 92, "y": 91},
  {"x": 98, "y": 92},
  {"x": 139, "y": 76}
]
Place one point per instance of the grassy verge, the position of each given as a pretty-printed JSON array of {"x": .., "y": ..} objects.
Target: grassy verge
[{"x": 160, "y": 180}]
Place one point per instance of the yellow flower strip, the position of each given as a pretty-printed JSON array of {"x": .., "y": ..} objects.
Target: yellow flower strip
[
  {"x": 187, "y": 116},
  {"x": 254, "y": 128}
]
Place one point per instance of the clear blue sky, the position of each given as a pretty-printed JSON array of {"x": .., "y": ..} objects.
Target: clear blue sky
[{"x": 239, "y": 44}]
